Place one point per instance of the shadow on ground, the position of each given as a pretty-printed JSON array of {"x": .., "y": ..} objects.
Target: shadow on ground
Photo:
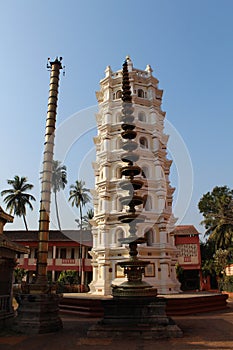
[{"x": 210, "y": 331}]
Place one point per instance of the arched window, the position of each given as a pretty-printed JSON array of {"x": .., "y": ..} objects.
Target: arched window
[
  {"x": 145, "y": 172},
  {"x": 101, "y": 174},
  {"x": 119, "y": 235},
  {"x": 140, "y": 93},
  {"x": 149, "y": 235},
  {"x": 118, "y": 94},
  {"x": 118, "y": 172},
  {"x": 148, "y": 205},
  {"x": 100, "y": 205},
  {"x": 143, "y": 142},
  {"x": 114, "y": 203},
  {"x": 141, "y": 117}
]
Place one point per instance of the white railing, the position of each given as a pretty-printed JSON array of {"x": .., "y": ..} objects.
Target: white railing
[{"x": 58, "y": 262}]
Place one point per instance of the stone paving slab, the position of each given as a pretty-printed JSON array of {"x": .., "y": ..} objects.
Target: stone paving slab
[{"x": 210, "y": 331}]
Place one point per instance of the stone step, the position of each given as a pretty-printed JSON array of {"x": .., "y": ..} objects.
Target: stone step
[{"x": 180, "y": 305}]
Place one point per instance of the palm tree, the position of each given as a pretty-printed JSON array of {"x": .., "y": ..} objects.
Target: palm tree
[
  {"x": 79, "y": 197},
  {"x": 16, "y": 198},
  {"x": 59, "y": 181},
  {"x": 86, "y": 219}
]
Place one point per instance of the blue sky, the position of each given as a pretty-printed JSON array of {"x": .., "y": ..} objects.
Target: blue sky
[{"x": 188, "y": 44}]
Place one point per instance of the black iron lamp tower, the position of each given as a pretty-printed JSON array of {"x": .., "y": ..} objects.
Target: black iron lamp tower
[{"x": 133, "y": 268}]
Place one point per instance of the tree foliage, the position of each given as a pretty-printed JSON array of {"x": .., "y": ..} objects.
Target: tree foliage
[
  {"x": 59, "y": 181},
  {"x": 207, "y": 258},
  {"x": 16, "y": 197},
  {"x": 68, "y": 276},
  {"x": 221, "y": 258},
  {"x": 79, "y": 197},
  {"x": 86, "y": 225},
  {"x": 217, "y": 210}
]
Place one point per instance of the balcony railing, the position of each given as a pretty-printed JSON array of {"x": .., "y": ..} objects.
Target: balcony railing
[
  {"x": 31, "y": 262},
  {"x": 4, "y": 304}
]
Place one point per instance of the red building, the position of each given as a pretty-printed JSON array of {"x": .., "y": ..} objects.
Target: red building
[
  {"x": 188, "y": 244},
  {"x": 68, "y": 250}
]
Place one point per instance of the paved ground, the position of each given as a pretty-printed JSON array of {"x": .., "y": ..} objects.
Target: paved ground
[{"x": 202, "y": 331}]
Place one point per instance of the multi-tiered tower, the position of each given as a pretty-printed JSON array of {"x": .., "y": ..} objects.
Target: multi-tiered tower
[{"x": 158, "y": 221}]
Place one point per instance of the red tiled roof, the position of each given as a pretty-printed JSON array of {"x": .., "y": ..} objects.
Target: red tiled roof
[
  {"x": 185, "y": 230},
  {"x": 84, "y": 236}
]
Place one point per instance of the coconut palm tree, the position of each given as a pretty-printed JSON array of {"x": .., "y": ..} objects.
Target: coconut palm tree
[
  {"x": 79, "y": 197},
  {"x": 16, "y": 197},
  {"x": 86, "y": 219},
  {"x": 59, "y": 181}
]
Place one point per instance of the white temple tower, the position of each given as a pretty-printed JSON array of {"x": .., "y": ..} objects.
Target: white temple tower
[{"x": 158, "y": 225}]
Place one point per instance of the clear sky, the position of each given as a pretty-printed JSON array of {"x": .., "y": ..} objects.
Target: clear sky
[{"x": 189, "y": 45}]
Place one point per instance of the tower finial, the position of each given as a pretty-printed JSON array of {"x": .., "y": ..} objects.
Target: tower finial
[
  {"x": 129, "y": 62},
  {"x": 126, "y": 91}
]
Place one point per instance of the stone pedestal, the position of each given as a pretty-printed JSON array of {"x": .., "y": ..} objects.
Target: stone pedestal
[
  {"x": 143, "y": 318},
  {"x": 38, "y": 313}
]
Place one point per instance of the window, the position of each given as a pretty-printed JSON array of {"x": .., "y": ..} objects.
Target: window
[
  {"x": 63, "y": 253},
  {"x": 119, "y": 205},
  {"x": 118, "y": 172},
  {"x": 100, "y": 205},
  {"x": 141, "y": 117},
  {"x": 143, "y": 142},
  {"x": 148, "y": 205},
  {"x": 72, "y": 253},
  {"x": 149, "y": 235},
  {"x": 118, "y": 94},
  {"x": 140, "y": 93},
  {"x": 119, "y": 235}
]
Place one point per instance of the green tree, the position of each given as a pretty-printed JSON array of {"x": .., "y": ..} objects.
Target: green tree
[
  {"x": 207, "y": 258},
  {"x": 17, "y": 199},
  {"x": 79, "y": 197},
  {"x": 59, "y": 181},
  {"x": 221, "y": 258},
  {"x": 86, "y": 219},
  {"x": 217, "y": 210},
  {"x": 68, "y": 276},
  {"x": 19, "y": 274}
]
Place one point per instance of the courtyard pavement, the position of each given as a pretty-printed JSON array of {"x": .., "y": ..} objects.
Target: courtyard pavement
[{"x": 209, "y": 331}]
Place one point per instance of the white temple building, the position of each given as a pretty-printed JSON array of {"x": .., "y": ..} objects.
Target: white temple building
[{"x": 158, "y": 226}]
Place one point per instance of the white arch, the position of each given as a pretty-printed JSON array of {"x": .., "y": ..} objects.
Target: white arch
[
  {"x": 142, "y": 116},
  {"x": 149, "y": 234},
  {"x": 143, "y": 141}
]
